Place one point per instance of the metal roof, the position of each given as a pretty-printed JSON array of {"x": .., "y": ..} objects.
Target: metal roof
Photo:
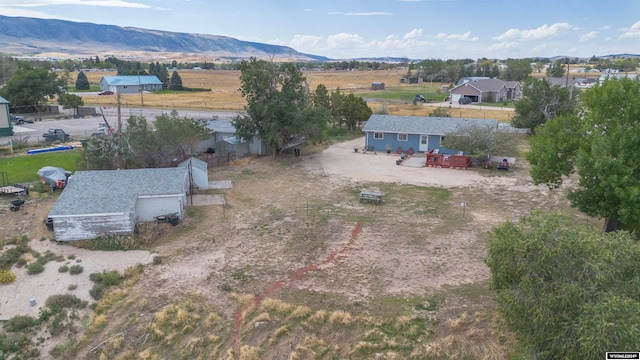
[
  {"x": 3, "y": 100},
  {"x": 132, "y": 80},
  {"x": 222, "y": 126},
  {"x": 116, "y": 191},
  {"x": 421, "y": 124},
  {"x": 195, "y": 163}
]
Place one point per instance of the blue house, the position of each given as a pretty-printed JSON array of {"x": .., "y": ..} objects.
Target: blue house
[
  {"x": 129, "y": 84},
  {"x": 419, "y": 133}
]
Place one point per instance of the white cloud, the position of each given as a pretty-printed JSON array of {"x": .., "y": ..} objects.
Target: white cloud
[
  {"x": 632, "y": 32},
  {"x": 413, "y": 34},
  {"x": 305, "y": 42},
  {"x": 543, "y": 31},
  {"x": 539, "y": 49},
  {"x": 462, "y": 37},
  {"x": 503, "y": 46},
  {"x": 588, "y": 36}
]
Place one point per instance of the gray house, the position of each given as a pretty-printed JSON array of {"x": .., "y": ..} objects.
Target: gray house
[
  {"x": 5, "y": 124},
  {"x": 486, "y": 90},
  {"x": 96, "y": 203},
  {"x": 224, "y": 140},
  {"x": 130, "y": 84},
  {"x": 414, "y": 133}
]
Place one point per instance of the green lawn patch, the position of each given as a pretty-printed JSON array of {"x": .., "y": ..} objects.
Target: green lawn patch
[{"x": 25, "y": 168}]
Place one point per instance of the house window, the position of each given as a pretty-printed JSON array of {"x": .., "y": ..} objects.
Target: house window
[
  {"x": 378, "y": 136},
  {"x": 403, "y": 137}
]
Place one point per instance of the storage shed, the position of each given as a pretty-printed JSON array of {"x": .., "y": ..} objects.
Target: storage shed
[
  {"x": 5, "y": 125},
  {"x": 96, "y": 203},
  {"x": 377, "y": 86},
  {"x": 197, "y": 172}
]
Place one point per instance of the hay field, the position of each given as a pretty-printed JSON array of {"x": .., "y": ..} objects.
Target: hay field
[{"x": 224, "y": 94}]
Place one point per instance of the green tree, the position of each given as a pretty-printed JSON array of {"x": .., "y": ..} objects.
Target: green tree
[
  {"x": 82, "y": 83},
  {"x": 567, "y": 291},
  {"x": 278, "y": 108},
  {"x": 31, "y": 85},
  {"x": 355, "y": 111},
  {"x": 517, "y": 69},
  {"x": 540, "y": 102},
  {"x": 481, "y": 141},
  {"x": 336, "y": 100},
  {"x": 321, "y": 97},
  {"x": 439, "y": 112},
  {"x": 176, "y": 81},
  {"x": 556, "y": 70},
  {"x": 601, "y": 146},
  {"x": 70, "y": 101}
]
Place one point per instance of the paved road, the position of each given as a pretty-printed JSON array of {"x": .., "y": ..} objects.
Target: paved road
[{"x": 83, "y": 127}]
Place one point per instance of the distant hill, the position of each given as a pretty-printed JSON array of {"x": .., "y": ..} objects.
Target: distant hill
[{"x": 31, "y": 36}]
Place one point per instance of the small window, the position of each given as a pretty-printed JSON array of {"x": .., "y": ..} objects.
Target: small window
[
  {"x": 403, "y": 137},
  {"x": 378, "y": 136}
]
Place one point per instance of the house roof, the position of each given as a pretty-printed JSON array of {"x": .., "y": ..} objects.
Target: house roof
[
  {"x": 421, "y": 124},
  {"x": 471, "y": 79},
  {"x": 115, "y": 191},
  {"x": 221, "y": 126},
  {"x": 484, "y": 85},
  {"x": 132, "y": 80},
  {"x": 3, "y": 100}
]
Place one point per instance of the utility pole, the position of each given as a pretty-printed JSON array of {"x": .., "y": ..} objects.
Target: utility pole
[
  {"x": 119, "y": 112},
  {"x": 140, "y": 89}
]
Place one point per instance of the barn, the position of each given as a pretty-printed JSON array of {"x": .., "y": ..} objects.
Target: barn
[{"x": 102, "y": 202}]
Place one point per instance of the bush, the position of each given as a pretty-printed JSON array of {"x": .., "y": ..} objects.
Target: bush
[
  {"x": 63, "y": 269},
  {"x": 97, "y": 291},
  {"x": 35, "y": 268},
  {"x": 13, "y": 342},
  {"x": 7, "y": 277},
  {"x": 65, "y": 301},
  {"x": 106, "y": 278},
  {"x": 75, "y": 269},
  {"x": 19, "y": 323}
]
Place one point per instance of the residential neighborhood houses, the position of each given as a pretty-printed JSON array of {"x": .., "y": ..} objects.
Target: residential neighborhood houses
[{"x": 130, "y": 84}]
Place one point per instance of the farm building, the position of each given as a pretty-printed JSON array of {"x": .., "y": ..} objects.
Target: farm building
[
  {"x": 197, "y": 171},
  {"x": 5, "y": 124},
  {"x": 487, "y": 90},
  {"x": 377, "y": 86},
  {"x": 130, "y": 83},
  {"x": 96, "y": 203},
  {"x": 224, "y": 140},
  {"x": 414, "y": 133}
]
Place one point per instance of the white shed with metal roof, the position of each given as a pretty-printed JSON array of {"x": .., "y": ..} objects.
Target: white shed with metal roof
[{"x": 103, "y": 202}]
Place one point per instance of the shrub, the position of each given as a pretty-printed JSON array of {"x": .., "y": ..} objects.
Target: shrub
[
  {"x": 35, "y": 268},
  {"x": 65, "y": 301},
  {"x": 75, "y": 269},
  {"x": 157, "y": 260},
  {"x": 19, "y": 323},
  {"x": 7, "y": 277},
  {"x": 14, "y": 342},
  {"x": 63, "y": 269},
  {"x": 97, "y": 291},
  {"x": 106, "y": 278}
]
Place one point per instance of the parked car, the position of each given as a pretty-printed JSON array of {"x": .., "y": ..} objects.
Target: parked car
[
  {"x": 106, "y": 92},
  {"x": 56, "y": 135},
  {"x": 19, "y": 120},
  {"x": 419, "y": 98},
  {"x": 465, "y": 100}
]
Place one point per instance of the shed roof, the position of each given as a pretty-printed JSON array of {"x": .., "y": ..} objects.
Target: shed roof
[
  {"x": 3, "y": 100},
  {"x": 421, "y": 124},
  {"x": 195, "y": 163},
  {"x": 132, "y": 80},
  {"x": 115, "y": 191}
]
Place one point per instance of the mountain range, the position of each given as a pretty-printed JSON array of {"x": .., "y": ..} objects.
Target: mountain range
[{"x": 23, "y": 36}]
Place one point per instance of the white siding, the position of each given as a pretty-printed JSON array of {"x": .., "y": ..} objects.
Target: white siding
[
  {"x": 86, "y": 227},
  {"x": 148, "y": 207}
]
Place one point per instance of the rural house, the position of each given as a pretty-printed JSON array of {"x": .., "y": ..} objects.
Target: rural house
[
  {"x": 5, "y": 123},
  {"x": 96, "y": 203},
  {"x": 487, "y": 90},
  {"x": 414, "y": 133},
  {"x": 130, "y": 84},
  {"x": 225, "y": 140}
]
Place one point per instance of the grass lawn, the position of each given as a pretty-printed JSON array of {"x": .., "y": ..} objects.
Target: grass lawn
[
  {"x": 406, "y": 93},
  {"x": 25, "y": 168}
]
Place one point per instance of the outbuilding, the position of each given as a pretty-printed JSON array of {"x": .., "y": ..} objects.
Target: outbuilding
[
  {"x": 5, "y": 123},
  {"x": 103, "y": 202},
  {"x": 377, "y": 86},
  {"x": 197, "y": 171}
]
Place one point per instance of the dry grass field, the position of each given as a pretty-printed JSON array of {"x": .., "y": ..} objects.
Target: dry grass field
[{"x": 224, "y": 94}]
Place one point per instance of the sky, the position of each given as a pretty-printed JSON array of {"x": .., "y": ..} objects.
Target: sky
[{"x": 348, "y": 29}]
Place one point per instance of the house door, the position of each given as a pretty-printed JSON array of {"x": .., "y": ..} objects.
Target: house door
[{"x": 424, "y": 143}]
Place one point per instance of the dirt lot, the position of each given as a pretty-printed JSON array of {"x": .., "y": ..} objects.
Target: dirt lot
[{"x": 293, "y": 229}]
